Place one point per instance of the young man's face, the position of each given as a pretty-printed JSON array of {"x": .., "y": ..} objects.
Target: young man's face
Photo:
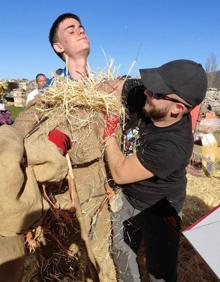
[{"x": 72, "y": 39}]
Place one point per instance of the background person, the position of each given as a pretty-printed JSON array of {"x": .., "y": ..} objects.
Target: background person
[
  {"x": 41, "y": 80},
  {"x": 153, "y": 177}
]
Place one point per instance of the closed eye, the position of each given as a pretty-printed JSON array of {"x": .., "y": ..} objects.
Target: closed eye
[{"x": 71, "y": 30}]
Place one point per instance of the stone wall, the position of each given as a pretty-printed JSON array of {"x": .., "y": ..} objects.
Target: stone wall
[
  {"x": 213, "y": 99},
  {"x": 19, "y": 97},
  {"x": 20, "y": 93}
]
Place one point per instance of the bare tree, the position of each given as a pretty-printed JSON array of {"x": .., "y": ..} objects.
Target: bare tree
[{"x": 211, "y": 69}]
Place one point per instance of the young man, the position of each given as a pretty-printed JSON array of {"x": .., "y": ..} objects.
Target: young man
[
  {"x": 68, "y": 39},
  {"x": 70, "y": 42},
  {"x": 153, "y": 178},
  {"x": 41, "y": 80}
]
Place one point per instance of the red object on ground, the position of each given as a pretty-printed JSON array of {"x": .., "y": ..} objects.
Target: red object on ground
[{"x": 60, "y": 139}]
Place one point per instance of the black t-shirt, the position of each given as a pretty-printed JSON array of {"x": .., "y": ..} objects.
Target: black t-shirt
[{"x": 165, "y": 151}]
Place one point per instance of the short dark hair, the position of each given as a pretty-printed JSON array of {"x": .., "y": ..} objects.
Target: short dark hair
[
  {"x": 39, "y": 74},
  {"x": 54, "y": 27}
]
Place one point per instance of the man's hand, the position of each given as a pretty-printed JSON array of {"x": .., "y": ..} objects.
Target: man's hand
[
  {"x": 61, "y": 140},
  {"x": 111, "y": 124},
  {"x": 112, "y": 86}
]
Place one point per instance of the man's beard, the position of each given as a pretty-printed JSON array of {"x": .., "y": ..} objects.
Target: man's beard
[{"x": 155, "y": 114}]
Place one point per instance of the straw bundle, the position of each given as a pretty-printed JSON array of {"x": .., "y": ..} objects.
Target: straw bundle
[
  {"x": 203, "y": 193},
  {"x": 66, "y": 97}
]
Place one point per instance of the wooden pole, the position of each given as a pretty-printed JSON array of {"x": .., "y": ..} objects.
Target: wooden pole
[{"x": 84, "y": 233}]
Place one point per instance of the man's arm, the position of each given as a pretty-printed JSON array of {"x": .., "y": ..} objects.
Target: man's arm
[{"x": 124, "y": 169}]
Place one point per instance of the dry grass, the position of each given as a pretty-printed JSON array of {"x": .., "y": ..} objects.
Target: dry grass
[
  {"x": 66, "y": 97},
  {"x": 203, "y": 193}
]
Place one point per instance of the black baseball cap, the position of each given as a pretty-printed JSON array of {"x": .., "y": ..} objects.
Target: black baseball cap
[{"x": 185, "y": 78}]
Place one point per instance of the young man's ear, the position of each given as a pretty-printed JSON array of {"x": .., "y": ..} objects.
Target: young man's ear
[{"x": 58, "y": 47}]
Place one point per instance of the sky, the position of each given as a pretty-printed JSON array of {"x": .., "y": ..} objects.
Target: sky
[{"x": 140, "y": 32}]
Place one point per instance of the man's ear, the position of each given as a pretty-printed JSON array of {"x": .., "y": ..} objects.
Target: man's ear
[
  {"x": 180, "y": 107},
  {"x": 177, "y": 109},
  {"x": 58, "y": 47}
]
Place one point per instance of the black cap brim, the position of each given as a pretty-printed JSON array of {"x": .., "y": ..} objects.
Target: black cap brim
[{"x": 153, "y": 81}]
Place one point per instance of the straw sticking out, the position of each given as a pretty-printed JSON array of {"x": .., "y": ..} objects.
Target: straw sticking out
[{"x": 67, "y": 96}]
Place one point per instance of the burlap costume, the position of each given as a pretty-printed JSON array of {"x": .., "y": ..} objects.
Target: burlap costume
[
  {"x": 90, "y": 179},
  {"x": 22, "y": 204}
]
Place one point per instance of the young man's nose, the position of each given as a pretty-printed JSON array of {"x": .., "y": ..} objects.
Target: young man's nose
[{"x": 81, "y": 29}]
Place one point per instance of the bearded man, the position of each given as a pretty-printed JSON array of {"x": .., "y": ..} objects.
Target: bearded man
[{"x": 158, "y": 145}]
